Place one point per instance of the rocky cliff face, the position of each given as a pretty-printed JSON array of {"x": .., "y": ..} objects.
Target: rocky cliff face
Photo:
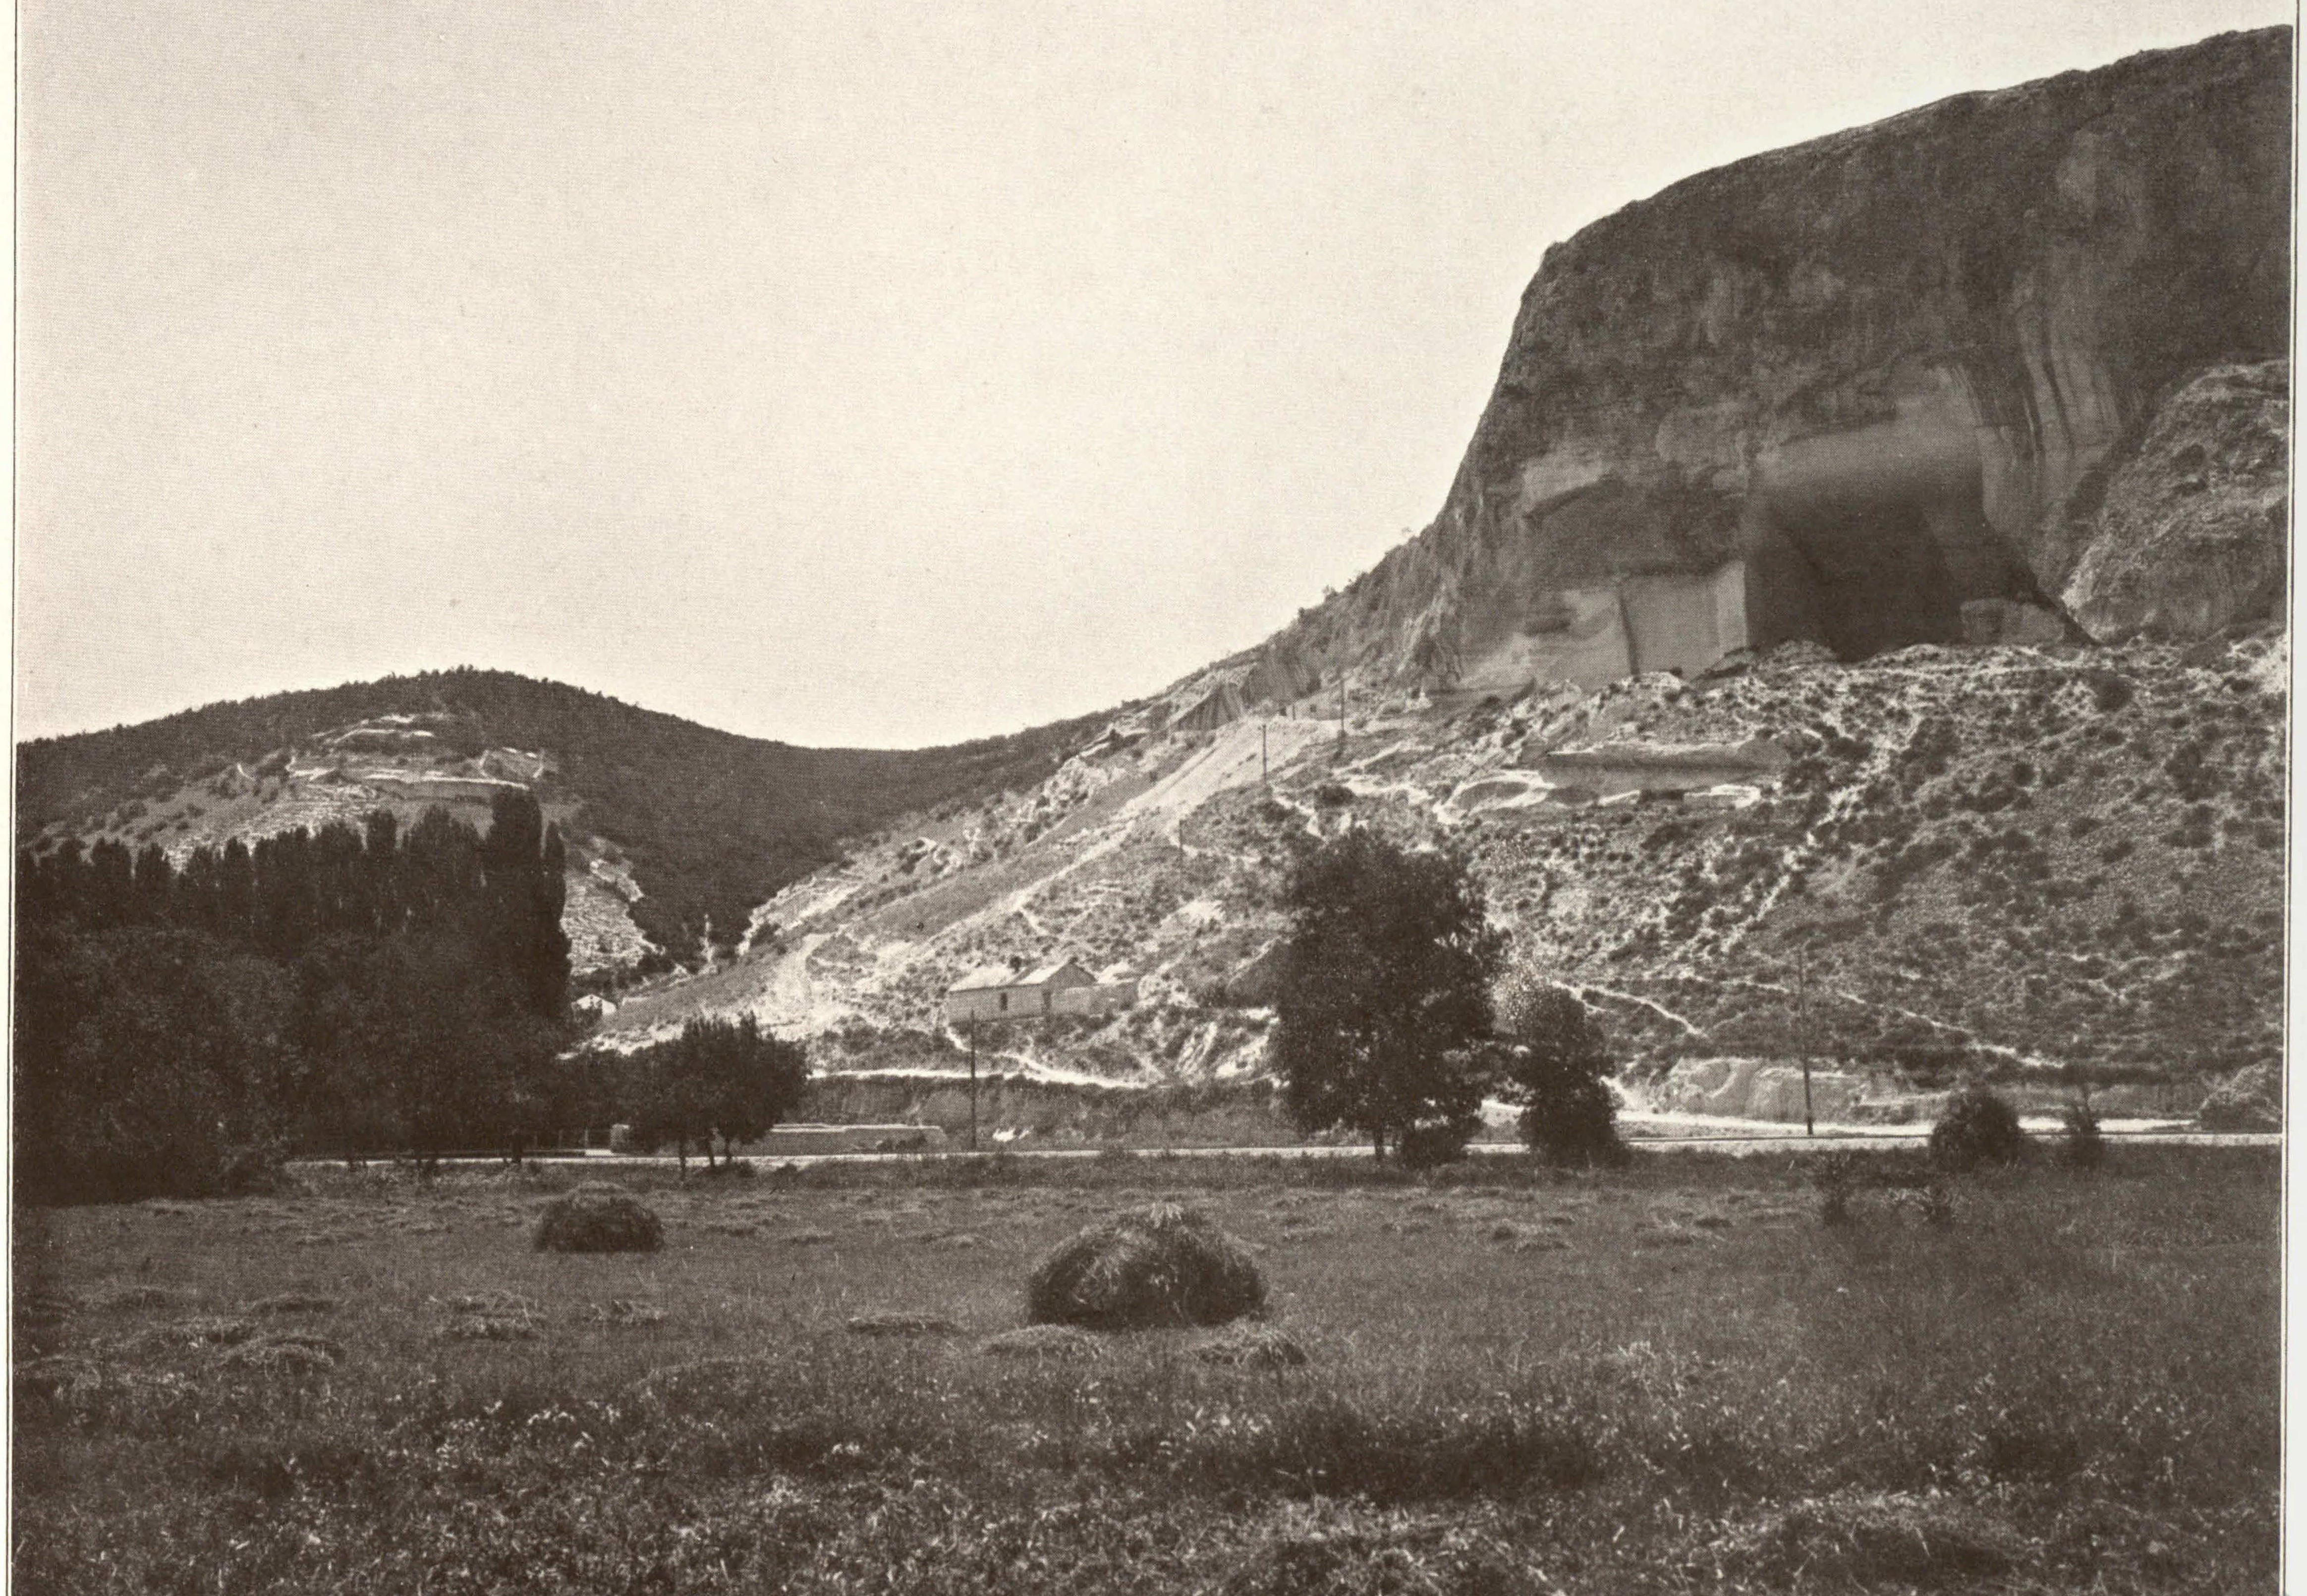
[
  {"x": 2190, "y": 536},
  {"x": 1872, "y": 390}
]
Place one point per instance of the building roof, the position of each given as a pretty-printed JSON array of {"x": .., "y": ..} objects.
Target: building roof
[
  {"x": 985, "y": 978},
  {"x": 1046, "y": 975},
  {"x": 991, "y": 977}
]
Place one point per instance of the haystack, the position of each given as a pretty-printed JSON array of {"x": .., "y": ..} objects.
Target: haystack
[
  {"x": 1163, "y": 1265},
  {"x": 598, "y": 1217}
]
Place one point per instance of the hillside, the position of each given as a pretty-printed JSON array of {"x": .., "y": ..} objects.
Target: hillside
[
  {"x": 2006, "y": 860},
  {"x": 1854, "y": 629},
  {"x": 675, "y": 828}
]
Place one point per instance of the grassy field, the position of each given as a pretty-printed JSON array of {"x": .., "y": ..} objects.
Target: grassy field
[{"x": 1675, "y": 1378}]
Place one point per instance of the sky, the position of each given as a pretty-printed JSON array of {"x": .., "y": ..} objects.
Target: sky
[{"x": 849, "y": 373}]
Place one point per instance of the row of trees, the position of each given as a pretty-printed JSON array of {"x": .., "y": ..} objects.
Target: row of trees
[
  {"x": 501, "y": 892},
  {"x": 1387, "y": 1024},
  {"x": 181, "y": 1028}
]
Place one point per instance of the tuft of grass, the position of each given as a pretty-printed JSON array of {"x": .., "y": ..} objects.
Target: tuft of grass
[
  {"x": 620, "y": 1312},
  {"x": 1866, "y": 1538},
  {"x": 291, "y": 1302},
  {"x": 1250, "y": 1343},
  {"x": 901, "y": 1324},
  {"x": 1044, "y": 1341},
  {"x": 1329, "y": 1444}
]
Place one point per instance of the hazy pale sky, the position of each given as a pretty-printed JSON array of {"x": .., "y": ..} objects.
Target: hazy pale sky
[{"x": 845, "y": 373}]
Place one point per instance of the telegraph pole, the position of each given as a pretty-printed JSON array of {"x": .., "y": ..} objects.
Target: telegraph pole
[
  {"x": 1802, "y": 1031},
  {"x": 973, "y": 1083},
  {"x": 1341, "y": 716},
  {"x": 1263, "y": 780}
]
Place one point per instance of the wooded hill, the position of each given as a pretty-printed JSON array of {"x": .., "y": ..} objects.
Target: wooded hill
[{"x": 712, "y": 823}]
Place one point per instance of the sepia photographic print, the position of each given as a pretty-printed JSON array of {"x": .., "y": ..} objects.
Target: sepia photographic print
[{"x": 1263, "y": 799}]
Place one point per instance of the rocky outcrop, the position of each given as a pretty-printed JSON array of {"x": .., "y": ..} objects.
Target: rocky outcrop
[
  {"x": 2191, "y": 535},
  {"x": 1856, "y": 391}
]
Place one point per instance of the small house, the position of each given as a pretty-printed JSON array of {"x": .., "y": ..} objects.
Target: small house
[{"x": 1004, "y": 992}]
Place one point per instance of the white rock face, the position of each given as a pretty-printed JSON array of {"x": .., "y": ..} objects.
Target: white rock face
[
  {"x": 2193, "y": 533},
  {"x": 1854, "y": 389}
]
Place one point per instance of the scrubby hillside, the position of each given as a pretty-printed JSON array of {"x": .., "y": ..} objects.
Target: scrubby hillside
[
  {"x": 679, "y": 830},
  {"x": 2016, "y": 861}
]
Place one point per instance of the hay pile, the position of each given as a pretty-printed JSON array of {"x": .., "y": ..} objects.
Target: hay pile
[
  {"x": 1163, "y": 1265},
  {"x": 598, "y": 1217}
]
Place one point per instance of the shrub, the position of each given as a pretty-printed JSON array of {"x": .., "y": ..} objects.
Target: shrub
[
  {"x": 2082, "y": 1146},
  {"x": 598, "y": 1217},
  {"x": 1161, "y": 1264},
  {"x": 1836, "y": 1176},
  {"x": 1979, "y": 1128},
  {"x": 2109, "y": 692},
  {"x": 1431, "y": 1145}
]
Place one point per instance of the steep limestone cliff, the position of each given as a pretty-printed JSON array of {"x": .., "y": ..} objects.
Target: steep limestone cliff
[{"x": 1855, "y": 392}]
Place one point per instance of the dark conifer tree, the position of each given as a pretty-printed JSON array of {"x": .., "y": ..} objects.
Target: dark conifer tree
[
  {"x": 153, "y": 890},
  {"x": 236, "y": 904},
  {"x": 111, "y": 886}
]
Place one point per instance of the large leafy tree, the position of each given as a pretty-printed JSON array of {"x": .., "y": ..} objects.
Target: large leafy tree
[
  {"x": 148, "y": 1062},
  {"x": 1557, "y": 1065},
  {"x": 718, "y": 1077},
  {"x": 1383, "y": 1002}
]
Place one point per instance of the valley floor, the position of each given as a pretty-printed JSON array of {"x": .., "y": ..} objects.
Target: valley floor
[{"x": 1669, "y": 1379}]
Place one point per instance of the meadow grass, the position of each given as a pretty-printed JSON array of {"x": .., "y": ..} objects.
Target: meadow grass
[{"x": 1669, "y": 1378}]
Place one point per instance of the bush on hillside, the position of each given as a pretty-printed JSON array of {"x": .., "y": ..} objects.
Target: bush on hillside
[
  {"x": 598, "y": 1217},
  {"x": 1979, "y": 1128},
  {"x": 1159, "y": 1265}
]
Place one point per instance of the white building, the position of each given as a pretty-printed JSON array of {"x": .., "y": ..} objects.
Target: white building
[{"x": 1002, "y": 992}]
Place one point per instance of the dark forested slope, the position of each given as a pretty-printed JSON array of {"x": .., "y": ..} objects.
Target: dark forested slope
[{"x": 711, "y": 823}]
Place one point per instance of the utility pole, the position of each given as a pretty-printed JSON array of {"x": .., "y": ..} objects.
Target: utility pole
[
  {"x": 1802, "y": 1031},
  {"x": 973, "y": 1083},
  {"x": 1341, "y": 716}
]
